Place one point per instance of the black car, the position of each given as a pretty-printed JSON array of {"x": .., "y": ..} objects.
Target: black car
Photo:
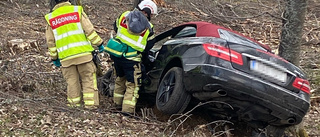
[{"x": 208, "y": 62}]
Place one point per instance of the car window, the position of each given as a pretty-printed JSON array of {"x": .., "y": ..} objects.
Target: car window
[
  {"x": 177, "y": 32},
  {"x": 188, "y": 31},
  {"x": 235, "y": 38}
]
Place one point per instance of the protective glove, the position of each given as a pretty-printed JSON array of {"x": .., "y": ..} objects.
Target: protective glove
[
  {"x": 57, "y": 62},
  {"x": 101, "y": 48}
]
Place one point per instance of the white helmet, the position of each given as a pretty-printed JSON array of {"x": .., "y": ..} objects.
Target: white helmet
[{"x": 148, "y": 4}]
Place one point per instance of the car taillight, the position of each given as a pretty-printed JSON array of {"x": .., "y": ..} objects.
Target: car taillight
[
  {"x": 302, "y": 84},
  {"x": 223, "y": 53}
]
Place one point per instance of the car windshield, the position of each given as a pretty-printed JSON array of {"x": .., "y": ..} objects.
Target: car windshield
[{"x": 235, "y": 38}]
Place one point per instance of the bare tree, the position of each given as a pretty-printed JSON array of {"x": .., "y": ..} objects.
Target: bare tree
[
  {"x": 291, "y": 35},
  {"x": 293, "y": 20}
]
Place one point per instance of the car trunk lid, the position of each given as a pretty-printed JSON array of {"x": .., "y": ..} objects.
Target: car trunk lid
[{"x": 266, "y": 65}]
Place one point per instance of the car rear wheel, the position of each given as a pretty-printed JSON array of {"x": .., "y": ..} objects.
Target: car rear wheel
[{"x": 171, "y": 96}]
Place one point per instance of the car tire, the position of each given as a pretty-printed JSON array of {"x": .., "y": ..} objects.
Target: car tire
[
  {"x": 106, "y": 84},
  {"x": 171, "y": 96}
]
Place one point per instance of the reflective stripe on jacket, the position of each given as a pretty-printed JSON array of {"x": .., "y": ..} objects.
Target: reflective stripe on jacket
[
  {"x": 119, "y": 49},
  {"x": 70, "y": 38},
  {"x": 134, "y": 42}
]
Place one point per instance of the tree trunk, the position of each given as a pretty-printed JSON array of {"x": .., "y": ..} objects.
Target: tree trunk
[
  {"x": 293, "y": 19},
  {"x": 291, "y": 35}
]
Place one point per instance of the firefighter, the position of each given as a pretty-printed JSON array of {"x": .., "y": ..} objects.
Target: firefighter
[
  {"x": 128, "y": 53},
  {"x": 71, "y": 38}
]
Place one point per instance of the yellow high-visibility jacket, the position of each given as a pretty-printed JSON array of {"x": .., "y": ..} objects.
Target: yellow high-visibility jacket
[
  {"x": 70, "y": 35},
  {"x": 134, "y": 42}
]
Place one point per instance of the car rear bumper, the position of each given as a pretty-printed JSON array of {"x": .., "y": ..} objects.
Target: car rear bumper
[{"x": 251, "y": 98}]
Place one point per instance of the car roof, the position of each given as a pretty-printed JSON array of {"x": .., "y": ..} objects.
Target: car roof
[{"x": 203, "y": 27}]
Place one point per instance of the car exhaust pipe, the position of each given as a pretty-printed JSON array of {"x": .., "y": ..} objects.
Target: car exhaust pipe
[
  {"x": 222, "y": 93},
  {"x": 289, "y": 121},
  {"x": 209, "y": 95}
]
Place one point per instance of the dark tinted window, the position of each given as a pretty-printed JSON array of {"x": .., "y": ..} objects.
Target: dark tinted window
[
  {"x": 187, "y": 32},
  {"x": 235, "y": 38}
]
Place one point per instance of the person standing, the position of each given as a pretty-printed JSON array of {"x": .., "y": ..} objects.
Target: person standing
[
  {"x": 71, "y": 38},
  {"x": 133, "y": 30}
]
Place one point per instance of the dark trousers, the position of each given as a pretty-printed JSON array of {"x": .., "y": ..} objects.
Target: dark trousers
[
  {"x": 127, "y": 83},
  {"x": 124, "y": 67}
]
